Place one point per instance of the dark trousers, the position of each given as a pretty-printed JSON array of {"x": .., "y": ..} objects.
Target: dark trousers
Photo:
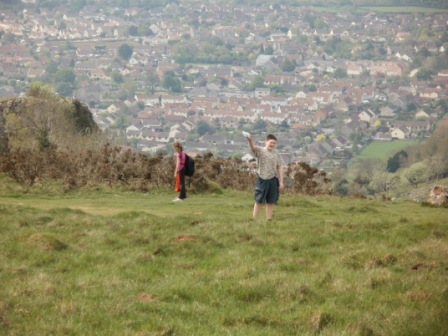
[{"x": 183, "y": 190}]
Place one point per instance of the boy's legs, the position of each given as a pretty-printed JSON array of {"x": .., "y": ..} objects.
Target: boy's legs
[
  {"x": 269, "y": 210},
  {"x": 266, "y": 190},
  {"x": 257, "y": 207}
]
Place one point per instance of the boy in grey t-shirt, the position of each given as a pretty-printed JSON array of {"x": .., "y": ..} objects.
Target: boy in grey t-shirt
[{"x": 269, "y": 175}]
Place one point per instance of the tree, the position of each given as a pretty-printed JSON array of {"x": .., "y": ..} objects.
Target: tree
[
  {"x": 153, "y": 81},
  {"x": 439, "y": 165},
  {"x": 68, "y": 45},
  {"x": 342, "y": 187},
  {"x": 259, "y": 125},
  {"x": 288, "y": 66},
  {"x": 424, "y": 52},
  {"x": 120, "y": 122},
  {"x": 379, "y": 182},
  {"x": 394, "y": 163},
  {"x": 416, "y": 173},
  {"x": 144, "y": 30},
  {"x": 257, "y": 82},
  {"x": 203, "y": 127},
  {"x": 51, "y": 68},
  {"x": 269, "y": 50},
  {"x": 340, "y": 73},
  {"x": 424, "y": 74},
  {"x": 133, "y": 30},
  {"x": 77, "y": 5},
  {"x": 284, "y": 126},
  {"x": 65, "y": 75},
  {"x": 62, "y": 26},
  {"x": 321, "y": 137},
  {"x": 277, "y": 90},
  {"x": 65, "y": 88},
  {"x": 125, "y": 52},
  {"x": 117, "y": 77},
  {"x": 47, "y": 120},
  {"x": 171, "y": 82},
  {"x": 41, "y": 90}
]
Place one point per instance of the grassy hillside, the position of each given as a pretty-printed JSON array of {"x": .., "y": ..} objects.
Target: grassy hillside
[
  {"x": 112, "y": 263},
  {"x": 383, "y": 150}
]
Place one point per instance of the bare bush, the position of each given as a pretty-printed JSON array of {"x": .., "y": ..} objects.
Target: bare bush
[
  {"x": 116, "y": 165},
  {"x": 307, "y": 180}
]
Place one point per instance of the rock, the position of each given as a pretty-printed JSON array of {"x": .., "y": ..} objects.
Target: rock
[{"x": 438, "y": 195}]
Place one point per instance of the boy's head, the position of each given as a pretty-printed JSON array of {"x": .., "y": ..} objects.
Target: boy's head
[{"x": 271, "y": 141}]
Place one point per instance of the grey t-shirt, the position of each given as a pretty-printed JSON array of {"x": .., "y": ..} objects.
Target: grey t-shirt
[{"x": 268, "y": 162}]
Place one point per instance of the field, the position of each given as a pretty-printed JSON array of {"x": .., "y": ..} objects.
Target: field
[
  {"x": 402, "y": 9},
  {"x": 384, "y": 149},
  {"x": 107, "y": 262},
  {"x": 380, "y": 9}
]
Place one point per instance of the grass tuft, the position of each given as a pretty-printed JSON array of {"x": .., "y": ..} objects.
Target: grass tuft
[{"x": 47, "y": 242}]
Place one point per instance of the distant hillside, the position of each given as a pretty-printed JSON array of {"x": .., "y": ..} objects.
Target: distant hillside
[
  {"x": 318, "y": 3},
  {"x": 76, "y": 6}
]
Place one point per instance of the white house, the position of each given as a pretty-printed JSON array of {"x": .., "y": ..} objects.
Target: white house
[
  {"x": 420, "y": 114},
  {"x": 398, "y": 133},
  {"x": 247, "y": 158}
]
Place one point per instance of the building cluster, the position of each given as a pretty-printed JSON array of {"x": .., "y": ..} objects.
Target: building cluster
[{"x": 350, "y": 74}]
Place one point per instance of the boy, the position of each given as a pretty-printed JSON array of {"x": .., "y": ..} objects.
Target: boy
[{"x": 269, "y": 175}]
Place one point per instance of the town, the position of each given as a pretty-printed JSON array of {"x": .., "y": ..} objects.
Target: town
[{"x": 326, "y": 82}]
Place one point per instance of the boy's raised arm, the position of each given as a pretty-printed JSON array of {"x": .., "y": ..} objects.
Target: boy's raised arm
[{"x": 251, "y": 144}]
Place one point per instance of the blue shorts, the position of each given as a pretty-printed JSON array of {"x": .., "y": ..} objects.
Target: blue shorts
[{"x": 266, "y": 191}]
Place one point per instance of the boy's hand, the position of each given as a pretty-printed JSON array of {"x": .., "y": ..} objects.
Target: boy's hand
[{"x": 281, "y": 187}]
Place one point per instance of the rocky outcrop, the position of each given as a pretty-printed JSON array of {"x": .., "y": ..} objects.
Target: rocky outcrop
[{"x": 439, "y": 195}]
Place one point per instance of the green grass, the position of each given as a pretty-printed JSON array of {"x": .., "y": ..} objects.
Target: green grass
[
  {"x": 113, "y": 263},
  {"x": 404, "y": 9},
  {"x": 381, "y": 9},
  {"x": 384, "y": 149}
]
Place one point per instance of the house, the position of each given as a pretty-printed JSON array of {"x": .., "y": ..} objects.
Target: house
[
  {"x": 98, "y": 73},
  {"x": 398, "y": 133},
  {"x": 402, "y": 36},
  {"x": 148, "y": 134},
  {"x": 429, "y": 93},
  {"x": 396, "y": 100},
  {"x": 367, "y": 116},
  {"x": 382, "y": 136},
  {"x": 275, "y": 102},
  {"x": 148, "y": 100},
  {"x": 176, "y": 135},
  {"x": 151, "y": 147},
  {"x": 262, "y": 92},
  {"x": 273, "y": 117},
  {"x": 114, "y": 108},
  {"x": 228, "y": 122},
  {"x": 215, "y": 139},
  {"x": 151, "y": 123},
  {"x": 354, "y": 69},
  {"x": 420, "y": 114},
  {"x": 35, "y": 73},
  {"x": 262, "y": 60},
  {"x": 387, "y": 112},
  {"x": 133, "y": 132},
  {"x": 411, "y": 127},
  {"x": 386, "y": 68},
  {"x": 247, "y": 158}
]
